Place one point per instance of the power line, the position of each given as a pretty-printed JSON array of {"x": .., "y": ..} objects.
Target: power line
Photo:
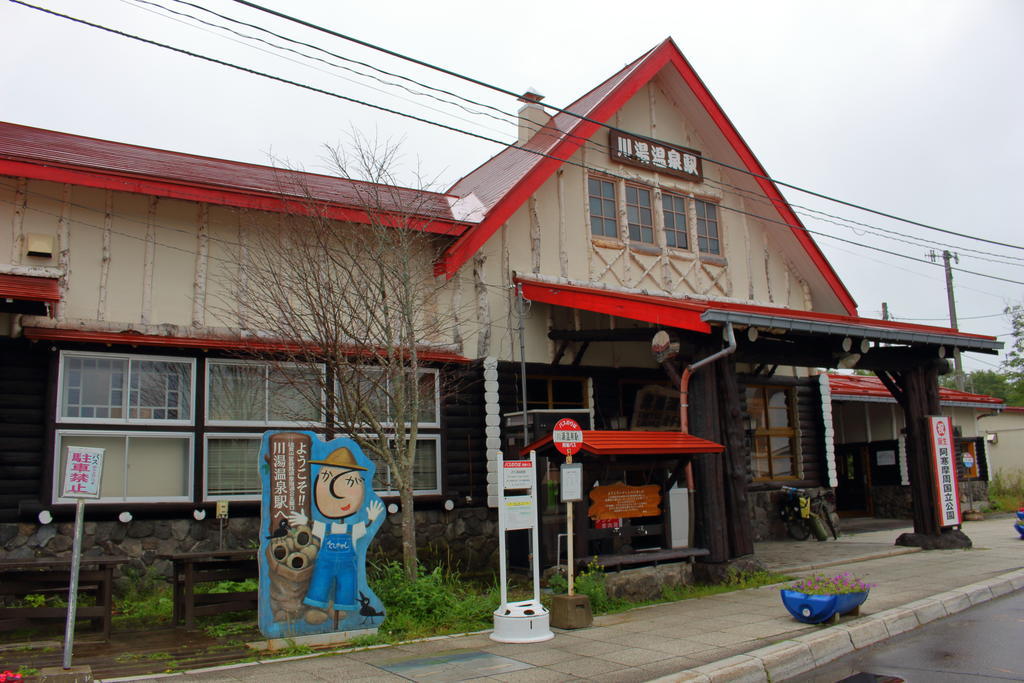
[
  {"x": 505, "y": 91},
  {"x": 451, "y": 128}
]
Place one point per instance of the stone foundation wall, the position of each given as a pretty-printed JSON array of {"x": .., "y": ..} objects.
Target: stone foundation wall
[
  {"x": 467, "y": 539},
  {"x": 646, "y": 583},
  {"x": 764, "y": 513},
  {"x": 892, "y": 502}
]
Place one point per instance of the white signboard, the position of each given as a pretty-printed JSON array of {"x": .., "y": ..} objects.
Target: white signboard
[
  {"x": 885, "y": 458},
  {"x": 518, "y": 474},
  {"x": 940, "y": 439},
  {"x": 519, "y": 512},
  {"x": 572, "y": 482},
  {"x": 83, "y": 472}
]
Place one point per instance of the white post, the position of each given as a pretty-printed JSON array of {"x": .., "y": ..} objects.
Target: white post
[
  {"x": 534, "y": 534},
  {"x": 570, "y": 558},
  {"x": 76, "y": 562},
  {"x": 502, "y": 571}
]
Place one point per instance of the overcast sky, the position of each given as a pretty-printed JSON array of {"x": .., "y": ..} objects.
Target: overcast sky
[{"x": 913, "y": 108}]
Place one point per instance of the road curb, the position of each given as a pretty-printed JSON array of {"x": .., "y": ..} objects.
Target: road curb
[{"x": 799, "y": 655}]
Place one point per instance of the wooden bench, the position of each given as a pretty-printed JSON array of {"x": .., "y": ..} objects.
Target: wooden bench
[
  {"x": 191, "y": 569},
  {"x": 639, "y": 558},
  {"x": 48, "y": 576}
]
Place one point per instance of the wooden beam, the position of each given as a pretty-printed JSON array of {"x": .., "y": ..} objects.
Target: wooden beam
[
  {"x": 562, "y": 346},
  {"x": 708, "y": 472},
  {"x": 735, "y": 459},
  {"x": 579, "y": 353}
]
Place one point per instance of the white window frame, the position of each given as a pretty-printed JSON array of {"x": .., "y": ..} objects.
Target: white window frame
[
  {"x": 190, "y": 464},
  {"x": 437, "y": 399},
  {"x": 258, "y": 423},
  {"x": 126, "y": 420},
  {"x": 207, "y": 436},
  {"x": 381, "y": 467}
]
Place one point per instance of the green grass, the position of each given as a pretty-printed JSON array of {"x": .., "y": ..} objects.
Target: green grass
[{"x": 1006, "y": 491}]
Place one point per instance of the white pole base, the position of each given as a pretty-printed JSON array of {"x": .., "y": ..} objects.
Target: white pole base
[{"x": 522, "y": 622}]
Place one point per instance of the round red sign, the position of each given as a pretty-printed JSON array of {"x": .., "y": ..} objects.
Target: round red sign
[{"x": 567, "y": 436}]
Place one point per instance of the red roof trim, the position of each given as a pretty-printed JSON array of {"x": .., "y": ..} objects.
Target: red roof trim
[
  {"x": 210, "y": 343},
  {"x": 196, "y": 193},
  {"x": 602, "y": 442},
  {"x": 652, "y": 309},
  {"x": 650, "y": 64},
  {"x": 685, "y": 313},
  {"x": 29, "y": 288},
  {"x": 864, "y": 385}
]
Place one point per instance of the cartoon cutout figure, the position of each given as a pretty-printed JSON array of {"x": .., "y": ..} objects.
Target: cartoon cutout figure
[{"x": 338, "y": 495}]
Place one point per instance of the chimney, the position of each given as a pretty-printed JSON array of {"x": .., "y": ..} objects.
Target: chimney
[{"x": 532, "y": 116}]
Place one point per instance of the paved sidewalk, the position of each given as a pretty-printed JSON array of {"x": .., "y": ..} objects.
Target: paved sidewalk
[{"x": 744, "y": 635}]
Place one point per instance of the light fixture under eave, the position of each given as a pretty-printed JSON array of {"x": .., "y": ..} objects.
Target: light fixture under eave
[
  {"x": 752, "y": 334},
  {"x": 865, "y": 345}
]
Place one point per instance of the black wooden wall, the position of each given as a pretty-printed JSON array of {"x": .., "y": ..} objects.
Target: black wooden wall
[{"x": 24, "y": 376}]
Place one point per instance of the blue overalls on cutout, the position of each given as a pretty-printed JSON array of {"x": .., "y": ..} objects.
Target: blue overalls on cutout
[{"x": 335, "y": 564}]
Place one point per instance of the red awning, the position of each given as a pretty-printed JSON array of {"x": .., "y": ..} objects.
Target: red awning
[
  {"x": 602, "y": 442},
  {"x": 659, "y": 310},
  {"x": 28, "y": 294}
]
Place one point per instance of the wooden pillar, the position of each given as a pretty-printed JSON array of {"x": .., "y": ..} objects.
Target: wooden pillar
[
  {"x": 712, "y": 530},
  {"x": 735, "y": 461},
  {"x": 916, "y": 389}
]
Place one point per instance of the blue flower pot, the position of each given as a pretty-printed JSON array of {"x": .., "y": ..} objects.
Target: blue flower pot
[
  {"x": 1019, "y": 526},
  {"x": 814, "y": 609}
]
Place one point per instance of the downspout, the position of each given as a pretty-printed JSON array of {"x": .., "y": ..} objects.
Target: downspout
[{"x": 684, "y": 389}]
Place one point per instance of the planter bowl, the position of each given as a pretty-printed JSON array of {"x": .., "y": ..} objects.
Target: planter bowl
[
  {"x": 814, "y": 609},
  {"x": 1019, "y": 526}
]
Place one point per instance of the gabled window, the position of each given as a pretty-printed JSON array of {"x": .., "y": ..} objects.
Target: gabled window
[
  {"x": 707, "y": 228},
  {"x": 639, "y": 215},
  {"x": 673, "y": 207},
  {"x": 603, "y": 219}
]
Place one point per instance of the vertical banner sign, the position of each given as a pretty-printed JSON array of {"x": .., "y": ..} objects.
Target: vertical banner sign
[
  {"x": 319, "y": 515},
  {"x": 83, "y": 476},
  {"x": 940, "y": 438}
]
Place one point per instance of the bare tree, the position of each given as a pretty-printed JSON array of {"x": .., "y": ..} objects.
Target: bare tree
[{"x": 350, "y": 307}]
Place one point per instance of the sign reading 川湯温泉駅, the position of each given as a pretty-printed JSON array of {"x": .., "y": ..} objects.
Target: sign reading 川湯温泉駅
[{"x": 319, "y": 514}]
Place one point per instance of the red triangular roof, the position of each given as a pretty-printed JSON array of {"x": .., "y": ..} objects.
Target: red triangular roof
[
  {"x": 867, "y": 387},
  {"x": 508, "y": 179}
]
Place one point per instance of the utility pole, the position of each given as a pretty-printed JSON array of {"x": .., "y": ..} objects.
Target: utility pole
[{"x": 947, "y": 257}]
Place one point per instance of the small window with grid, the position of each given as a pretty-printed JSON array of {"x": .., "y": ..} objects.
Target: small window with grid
[
  {"x": 602, "y": 208},
  {"x": 674, "y": 209},
  {"x": 639, "y": 215},
  {"x": 707, "y": 228}
]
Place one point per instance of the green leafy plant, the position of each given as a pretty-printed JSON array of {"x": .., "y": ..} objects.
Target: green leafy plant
[
  {"x": 436, "y": 602},
  {"x": 1006, "y": 491},
  {"x": 823, "y": 584},
  {"x": 734, "y": 581}
]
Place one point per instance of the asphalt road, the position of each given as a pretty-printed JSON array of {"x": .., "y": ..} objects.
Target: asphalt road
[{"x": 984, "y": 643}]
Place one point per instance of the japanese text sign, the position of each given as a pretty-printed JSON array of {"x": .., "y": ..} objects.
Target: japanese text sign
[
  {"x": 940, "y": 439},
  {"x": 567, "y": 436},
  {"x": 622, "y": 500},
  {"x": 83, "y": 472},
  {"x": 656, "y": 156},
  {"x": 518, "y": 474}
]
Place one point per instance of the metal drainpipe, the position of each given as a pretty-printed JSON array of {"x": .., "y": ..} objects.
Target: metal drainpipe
[{"x": 684, "y": 390}]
